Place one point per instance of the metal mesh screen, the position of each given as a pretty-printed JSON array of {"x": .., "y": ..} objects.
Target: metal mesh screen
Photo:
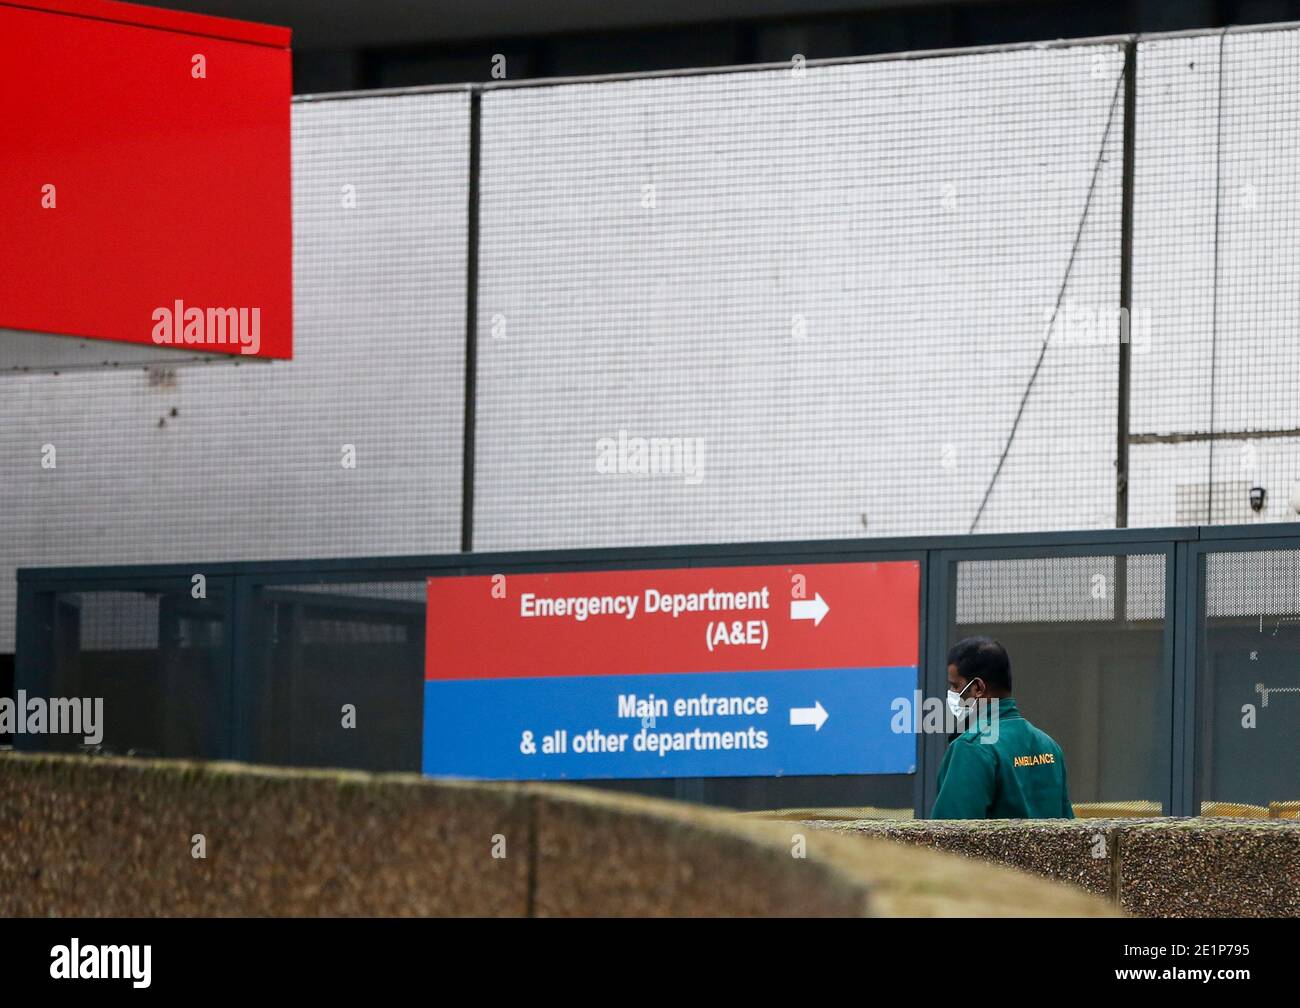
[
  {"x": 328, "y": 631},
  {"x": 414, "y": 592},
  {"x": 224, "y": 461},
  {"x": 155, "y": 659},
  {"x": 1216, "y": 277},
  {"x": 323, "y": 649},
  {"x": 1085, "y": 636},
  {"x": 1262, "y": 584},
  {"x": 1061, "y": 589},
  {"x": 826, "y": 295},
  {"x": 117, "y": 621},
  {"x": 1248, "y": 685}
]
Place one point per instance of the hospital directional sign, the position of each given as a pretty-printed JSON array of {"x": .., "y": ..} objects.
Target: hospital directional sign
[{"x": 683, "y": 672}]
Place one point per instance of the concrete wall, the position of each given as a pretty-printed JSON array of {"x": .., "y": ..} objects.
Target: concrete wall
[
  {"x": 1148, "y": 867},
  {"x": 115, "y": 837}
]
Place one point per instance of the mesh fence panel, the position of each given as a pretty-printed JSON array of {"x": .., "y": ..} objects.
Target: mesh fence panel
[
  {"x": 1248, "y": 685},
  {"x": 1261, "y": 583},
  {"x": 325, "y": 649},
  {"x": 1060, "y": 589},
  {"x": 1085, "y": 637},
  {"x": 1216, "y": 277},
  {"x": 117, "y": 621},
  {"x": 834, "y": 288},
  {"x": 341, "y": 631},
  {"x": 414, "y": 591},
  {"x": 356, "y": 612}
]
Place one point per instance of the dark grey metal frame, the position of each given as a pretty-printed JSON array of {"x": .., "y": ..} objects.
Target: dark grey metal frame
[
  {"x": 1184, "y": 550},
  {"x": 1222, "y": 539},
  {"x": 1164, "y": 543}
]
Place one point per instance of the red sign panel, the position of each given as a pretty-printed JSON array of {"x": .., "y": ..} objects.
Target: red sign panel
[
  {"x": 699, "y": 619},
  {"x": 145, "y": 177}
]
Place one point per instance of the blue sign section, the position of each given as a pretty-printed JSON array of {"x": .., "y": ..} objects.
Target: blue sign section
[{"x": 729, "y": 724}]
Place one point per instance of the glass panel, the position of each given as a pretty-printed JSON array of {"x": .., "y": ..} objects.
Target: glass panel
[
  {"x": 1248, "y": 695},
  {"x": 1086, "y": 640}
]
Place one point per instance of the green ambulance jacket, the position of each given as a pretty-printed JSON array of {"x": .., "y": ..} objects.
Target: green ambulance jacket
[{"x": 1019, "y": 776}]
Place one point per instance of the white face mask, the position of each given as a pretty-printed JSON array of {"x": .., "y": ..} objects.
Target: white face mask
[{"x": 955, "y": 707}]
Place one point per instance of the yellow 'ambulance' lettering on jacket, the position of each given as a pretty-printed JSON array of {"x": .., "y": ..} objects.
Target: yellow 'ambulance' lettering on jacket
[{"x": 981, "y": 777}]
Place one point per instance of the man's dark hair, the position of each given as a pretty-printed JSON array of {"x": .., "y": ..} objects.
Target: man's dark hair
[{"x": 982, "y": 658}]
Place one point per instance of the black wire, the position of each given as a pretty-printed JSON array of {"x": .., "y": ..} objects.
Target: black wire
[{"x": 1060, "y": 295}]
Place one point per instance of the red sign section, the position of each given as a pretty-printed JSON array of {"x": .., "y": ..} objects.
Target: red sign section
[
  {"x": 699, "y": 619},
  {"x": 145, "y": 177}
]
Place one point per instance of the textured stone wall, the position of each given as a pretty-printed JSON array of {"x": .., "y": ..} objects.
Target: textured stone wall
[
  {"x": 1148, "y": 867},
  {"x": 106, "y": 837}
]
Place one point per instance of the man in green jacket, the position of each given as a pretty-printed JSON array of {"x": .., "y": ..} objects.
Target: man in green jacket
[{"x": 1001, "y": 767}]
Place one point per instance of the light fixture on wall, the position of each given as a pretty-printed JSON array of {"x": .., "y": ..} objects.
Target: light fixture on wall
[{"x": 1257, "y": 498}]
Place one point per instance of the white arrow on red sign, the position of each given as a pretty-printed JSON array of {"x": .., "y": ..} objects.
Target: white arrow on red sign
[{"x": 813, "y": 609}]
